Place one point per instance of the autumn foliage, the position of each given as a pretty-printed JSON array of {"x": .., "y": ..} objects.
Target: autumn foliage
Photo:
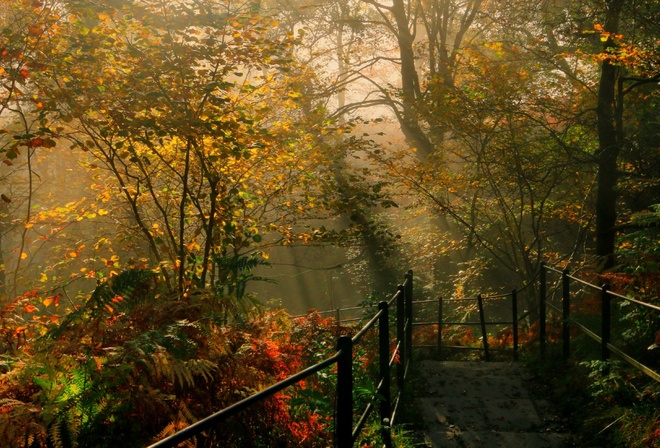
[{"x": 134, "y": 364}]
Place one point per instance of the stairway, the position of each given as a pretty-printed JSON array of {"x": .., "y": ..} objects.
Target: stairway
[{"x": 484, "y": 405}]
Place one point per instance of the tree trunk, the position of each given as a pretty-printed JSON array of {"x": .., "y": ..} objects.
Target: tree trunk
[
  {"x": 3, "y": 276},
  {"x": 410, "y": 88},
  {"x": 609, "y": 145}
]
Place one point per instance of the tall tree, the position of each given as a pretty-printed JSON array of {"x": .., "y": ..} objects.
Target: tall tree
[
  {"x": 194, "y": 117},
  {"x": 619, "y": 75}
]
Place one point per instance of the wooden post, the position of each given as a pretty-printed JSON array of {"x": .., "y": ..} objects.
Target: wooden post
[
  {"x": 606, "y": 322},
  {"x": 401, "y": 339},
  {"x": 384, "y": 349},
  {"x": 409, "y": 318},
  {"x": 566, "y": 314},
  {"x": 514, "y": 313},
  {"x": 482, "y": 320},
  {"x": 440, "y": 328},
  {"x": 542, "y": 298},
  {"x": 344, "y": 416}
]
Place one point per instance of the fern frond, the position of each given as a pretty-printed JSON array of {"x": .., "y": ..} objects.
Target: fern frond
[
  {"x": 174, "y": 427},
  {"x": 183, "y": 420},
  {"x": 180, "y": 371},
  {"x": 19, "y": 425},
  {"x": 239, "y": 263}
]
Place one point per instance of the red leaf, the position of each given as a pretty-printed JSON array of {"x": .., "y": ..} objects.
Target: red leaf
[{"x": 34, "y": 143}]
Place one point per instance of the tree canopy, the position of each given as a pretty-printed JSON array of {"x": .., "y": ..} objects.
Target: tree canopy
[{"x": 154, "y": 152}]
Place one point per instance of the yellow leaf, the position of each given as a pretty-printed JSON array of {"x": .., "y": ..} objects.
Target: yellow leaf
[
  {"x": 265, "y": 255},
  {"x": 24, "y": 256},
  {"x": 99, "y": 362},
  {"x": 103, "y": 212},
  {"x": 47, "y": 301},
  {"x": 73, "y": 255},
  {"x": 29, "y": 225},
  {"x": 43, "y": 278}
]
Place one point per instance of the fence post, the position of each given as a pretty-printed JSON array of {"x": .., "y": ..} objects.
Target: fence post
[
  {"x": 482, "y": 320},
  {"x": 566, "y": 314},
  {"x": 401, "y": 339},
  {"x": 542, "y": 296},
  {"x": 514, "y": 313},
  {"x": 384, "y": 348},
  {"x": 409, "y": 325},
  {"x": 606, "y": 322},
  {"x": 440, "y": 327},
  {"x": 344, "y": 416}
]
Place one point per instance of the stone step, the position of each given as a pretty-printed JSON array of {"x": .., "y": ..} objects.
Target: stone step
[{"x": 477, "y": 404}]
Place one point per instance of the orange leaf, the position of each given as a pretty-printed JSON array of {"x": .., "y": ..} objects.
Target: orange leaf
[{"x": 29, "y": 308}]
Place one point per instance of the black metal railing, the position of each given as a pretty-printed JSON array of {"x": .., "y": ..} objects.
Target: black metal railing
[
  {"x": 346, "y": 432},
  {"x": 603, "y": 316},
  {"x": 395, "y": 354},
  {"x": 441, "y": 323}
]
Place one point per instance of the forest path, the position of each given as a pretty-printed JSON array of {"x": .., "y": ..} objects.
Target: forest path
[{"x": 475, "y": 404}]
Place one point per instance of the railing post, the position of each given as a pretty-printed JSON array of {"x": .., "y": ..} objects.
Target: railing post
[
  {"x": 606, "y": 322},
  {"x": 566, "y": 314},
  {"x": 482, "y": 320},
  {"x": 401, "y": 339},
  {"x": 344, "y": 416},
  {"x": 440, "y": 327},
  {"x": 384, "y": 349},
  {"x": 409, "y": 314},
  {"x": 514, "y": 313},
  {"x": 542, "y": 298}
]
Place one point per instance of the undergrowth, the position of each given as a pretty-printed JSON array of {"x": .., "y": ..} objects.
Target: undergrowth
[
  {"x": 605, "y": 402},
  {"x": 134, "y": 363}
]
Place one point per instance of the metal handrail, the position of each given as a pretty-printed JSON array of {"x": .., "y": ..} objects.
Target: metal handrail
[
  {"x": 345, "y": 433},
  {"x": 204, "y": 424},
  {"x": 604, "y": 339}
]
